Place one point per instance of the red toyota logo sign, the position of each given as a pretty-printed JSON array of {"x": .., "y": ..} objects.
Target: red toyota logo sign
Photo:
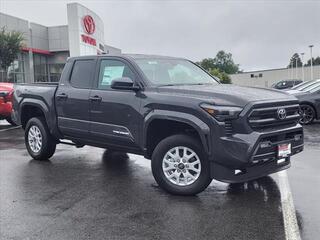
[{"x": 89, "y": 24}]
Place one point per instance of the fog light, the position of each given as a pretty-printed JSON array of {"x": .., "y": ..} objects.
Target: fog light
[
  {"x": 297, "y": 137},
  {"x": 237, "y": 172},
  {"x": 265, "y": 144}
]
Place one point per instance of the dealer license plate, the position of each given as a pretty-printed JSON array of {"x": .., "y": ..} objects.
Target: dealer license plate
[{"x": 284, "y": 150}]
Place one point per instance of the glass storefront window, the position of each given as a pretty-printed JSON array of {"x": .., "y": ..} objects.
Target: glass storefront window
[
  {"x": 40, "y": 68},
  {"x": 55, "y": 71},
  {"x": 16, "y": 71}
]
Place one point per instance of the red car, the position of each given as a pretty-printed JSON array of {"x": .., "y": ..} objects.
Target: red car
[{"x": 6, "y": 93}]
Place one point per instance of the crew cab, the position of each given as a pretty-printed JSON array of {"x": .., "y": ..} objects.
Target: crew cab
[{"x": 167, "y": 109}]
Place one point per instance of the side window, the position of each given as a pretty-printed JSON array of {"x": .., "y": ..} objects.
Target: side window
[
  {"x": 110, "y": 70},
  {"x": 82, "y": 74}
]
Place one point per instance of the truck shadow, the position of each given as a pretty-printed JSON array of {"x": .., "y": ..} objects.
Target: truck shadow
[{"x": 114, "y": 195}]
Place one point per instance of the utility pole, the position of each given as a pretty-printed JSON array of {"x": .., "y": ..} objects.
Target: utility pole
[
  {"x": 311, "y": 61},
  {"x": 296, "y": 68},
  {"x": 302, "y": 69}
]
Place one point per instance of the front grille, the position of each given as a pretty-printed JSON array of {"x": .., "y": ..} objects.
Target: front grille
[{"x": 267, "y": 117}]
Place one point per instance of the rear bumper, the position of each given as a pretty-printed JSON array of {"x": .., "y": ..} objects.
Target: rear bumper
[{"x": 244, "y": 157}]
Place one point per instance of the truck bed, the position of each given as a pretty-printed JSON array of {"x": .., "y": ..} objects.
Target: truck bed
[{"x": 38, "y": 93}]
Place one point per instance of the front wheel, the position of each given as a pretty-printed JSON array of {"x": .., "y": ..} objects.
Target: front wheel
[
  {"x": 38, "y": 140},
  {"x": 307, "y": 114},
  {"x": 180, "y": 166}
]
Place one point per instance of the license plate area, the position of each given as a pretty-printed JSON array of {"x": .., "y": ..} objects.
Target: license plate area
[{"x": 284, "y": 150}]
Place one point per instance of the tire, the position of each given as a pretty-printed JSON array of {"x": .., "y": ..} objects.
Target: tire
[
  {"x": 37, "y": 128},
  {"x": 9, "y": 120},
  {"x": 308, "y": 114},
  {"x": 174, "y": 180}
]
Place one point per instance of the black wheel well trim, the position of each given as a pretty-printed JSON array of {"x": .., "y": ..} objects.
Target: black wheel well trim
[
  {"x": 200, "y": 127},
  {"x": 313, "y": 107},
  {"x": 37, "y": 104}
]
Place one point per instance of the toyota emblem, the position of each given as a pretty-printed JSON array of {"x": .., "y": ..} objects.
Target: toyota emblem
[
  {"x": 89, "y": 24},
  {"x": 282, "y": 114}
]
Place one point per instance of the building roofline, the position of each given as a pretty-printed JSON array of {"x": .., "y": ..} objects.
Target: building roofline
[
  {"x": 15, "y": 17},
  {"x": 272, "y": 69}
]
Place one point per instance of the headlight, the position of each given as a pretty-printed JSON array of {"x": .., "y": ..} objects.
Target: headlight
[{"x": 222, "y": 113}]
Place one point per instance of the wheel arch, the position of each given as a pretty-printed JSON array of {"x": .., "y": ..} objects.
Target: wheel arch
[
  {"x": 34, "y": 108},
  {"x": 156, "y": 122}
]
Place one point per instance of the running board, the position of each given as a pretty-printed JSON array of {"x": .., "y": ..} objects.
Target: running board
[{"x": 72, "y": 144}]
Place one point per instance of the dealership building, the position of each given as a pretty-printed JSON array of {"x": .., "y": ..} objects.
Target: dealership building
[
  {"x": 265, "y": 78},
  {"x": 46, "y": 49}
]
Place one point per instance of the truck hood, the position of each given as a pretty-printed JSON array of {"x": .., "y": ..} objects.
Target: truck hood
[{"x": 227, "y": 94}]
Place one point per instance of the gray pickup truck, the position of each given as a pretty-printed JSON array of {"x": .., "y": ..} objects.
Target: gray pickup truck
[{"x": 167, "y": 109}]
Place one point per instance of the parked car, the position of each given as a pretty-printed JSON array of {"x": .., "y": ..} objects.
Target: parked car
[
  {"x": 170, "y": 111},
  {"x": 302, "y": 86},
  {"x": 309, "y": 100},
  {"x": 286, "y": 84},
  {"x": 6, "y": 93}
]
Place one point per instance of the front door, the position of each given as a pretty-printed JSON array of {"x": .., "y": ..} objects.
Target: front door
[
  {"x": 114, "y": 113},
  {"x": 72, "y": 99}
]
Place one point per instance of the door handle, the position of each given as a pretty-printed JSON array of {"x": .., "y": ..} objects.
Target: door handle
[
  {"x": 62, "y": 96},
  {"x": 95, "y": 99}
]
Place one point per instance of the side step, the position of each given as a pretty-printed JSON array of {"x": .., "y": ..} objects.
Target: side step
[{"x": 72, "y": 144}]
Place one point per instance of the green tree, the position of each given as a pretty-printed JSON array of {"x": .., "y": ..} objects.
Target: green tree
[
  {"x": 315, "y": 61},
  {"x": 10, "y": 45},
  {"x": 295, "y": 61},
  {"x": 223, "y": 77},
  {"x": 222, "y": 61},
  {"x": 220, "y": 66}
]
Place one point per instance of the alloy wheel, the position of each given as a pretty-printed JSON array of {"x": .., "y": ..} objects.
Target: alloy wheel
[
  {"x": 35, "y": 139},
  {"x": 307, "y": 114},
  {"x": 181, "y": 166}
]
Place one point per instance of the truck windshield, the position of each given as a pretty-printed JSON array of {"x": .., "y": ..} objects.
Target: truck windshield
[{"x": 163, "y": 72}]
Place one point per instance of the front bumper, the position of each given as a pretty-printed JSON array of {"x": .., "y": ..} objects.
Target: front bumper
[{"x": 243, "y": 157}]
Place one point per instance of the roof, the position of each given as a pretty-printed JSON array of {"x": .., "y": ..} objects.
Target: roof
[{"x": 132, "y": 56}]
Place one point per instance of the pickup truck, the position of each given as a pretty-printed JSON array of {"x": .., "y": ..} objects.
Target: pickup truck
[{"x": 167, "y": 109}]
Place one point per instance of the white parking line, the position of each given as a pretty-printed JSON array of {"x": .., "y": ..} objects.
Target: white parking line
[
  {"x": 288, "y": 210},
  {"x": 3, "y": 130}
]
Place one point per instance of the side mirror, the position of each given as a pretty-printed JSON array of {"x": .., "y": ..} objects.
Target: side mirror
[{"x": 124, "y": 83}]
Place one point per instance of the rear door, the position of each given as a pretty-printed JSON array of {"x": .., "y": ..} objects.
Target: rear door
[
  {"x": 114, "y": 113},
  {"x": 72, "y": 99}
]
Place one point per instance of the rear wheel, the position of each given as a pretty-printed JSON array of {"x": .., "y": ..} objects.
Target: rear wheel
[
  {"x": 307, "y": 114},
  {"x": 39, "y": 142},
  {"x": 180, "y": 166}
]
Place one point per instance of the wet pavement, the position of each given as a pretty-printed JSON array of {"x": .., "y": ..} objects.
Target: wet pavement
[{"x": 89, "y": 193}]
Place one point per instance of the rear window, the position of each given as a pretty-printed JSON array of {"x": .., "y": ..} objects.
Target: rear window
[{"x": 82, "y": 74}]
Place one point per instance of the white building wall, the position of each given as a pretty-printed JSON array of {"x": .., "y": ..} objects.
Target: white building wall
[
  {"x": 58, "y": 38},
  {"x": 268, "y": 77}
]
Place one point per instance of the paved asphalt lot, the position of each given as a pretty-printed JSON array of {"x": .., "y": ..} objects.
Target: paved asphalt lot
[{"x": 90, "y": 194}]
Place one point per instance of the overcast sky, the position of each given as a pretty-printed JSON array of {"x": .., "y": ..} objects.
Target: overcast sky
[{"x": 259, "y": 34}]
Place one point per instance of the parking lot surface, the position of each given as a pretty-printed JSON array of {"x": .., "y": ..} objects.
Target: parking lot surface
[{"x": 88, "y": 193}]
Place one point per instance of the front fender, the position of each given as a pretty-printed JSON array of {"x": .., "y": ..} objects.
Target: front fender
[{"x": 202, "y": 128}]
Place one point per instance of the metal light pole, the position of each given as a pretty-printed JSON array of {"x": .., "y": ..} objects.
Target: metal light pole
[
  {"x": 311, "y": 61},
  {"x": 302, "y": 69},
  {"x": 296, "y": 68}
]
